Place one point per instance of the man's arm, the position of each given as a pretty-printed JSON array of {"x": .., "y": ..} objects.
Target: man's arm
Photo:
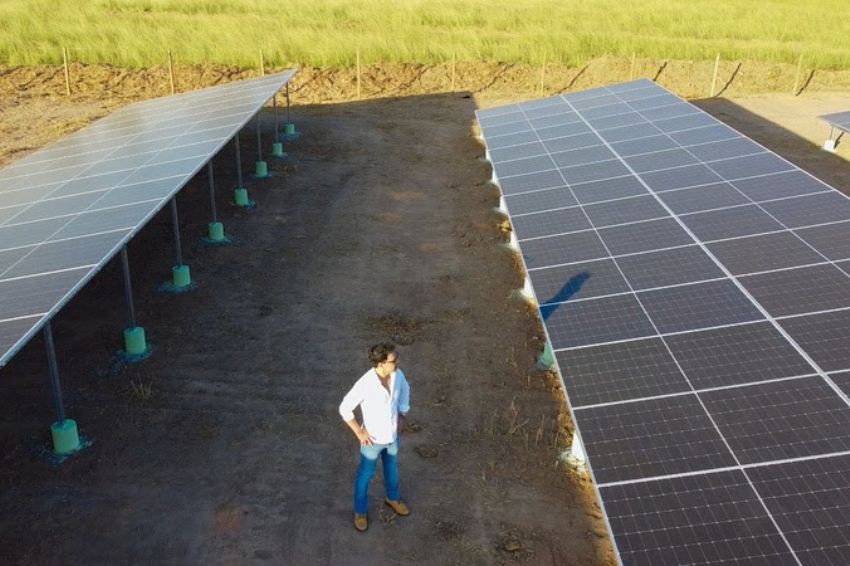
[
  {"x": 346, "y": 410},
  {"x": 360, "y": 432},
  {"x": 403, "y": 400}
]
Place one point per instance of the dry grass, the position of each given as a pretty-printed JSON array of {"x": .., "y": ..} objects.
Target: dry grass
[{"x": 330, "y": 33}]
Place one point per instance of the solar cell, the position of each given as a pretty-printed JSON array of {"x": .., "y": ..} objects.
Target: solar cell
[
  {"x": 538, "y": 201},
  {"x": 619, "y": 372},
  {"x": 810, "y": 210},
  {"x": 680, "y": 178},
  {"x": 842, "y": 380},
  {"x": 706, "y": 519},
  {"x": 658, "y": 160},
  {"x": 831, "y": 240},
  {"x": 781, "y": 420},
  {"x": 644, "y": 236},
  {"x": 810, "y": 501},
  {"x": 630, "y": 209},
  {"x": 568, "y": 248},
  {"x": 763, "y": 253},
  {"x": 608, "y": 189},
  {"x": 551, "y": 222},
  {"x": 651, "y": 437},
  {"x": 706, "y": 197},
  {"x": 675, "y": 266},
  {"x": 800, "y": 290},
  {"x": 577, "y": 281},
  {"x": 823, "y": 336},
  {"x": 730, "y": 223},
  {"x": 698, "y": 305},
  {"x": 596, "y": 321},
  {"x": 735, "y": 355}
]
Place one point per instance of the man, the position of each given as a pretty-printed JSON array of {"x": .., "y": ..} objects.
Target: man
[{"x": 383, "y": 395}]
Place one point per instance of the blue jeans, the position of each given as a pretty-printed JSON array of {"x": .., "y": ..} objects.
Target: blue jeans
[{"x": 368, "y": 463}]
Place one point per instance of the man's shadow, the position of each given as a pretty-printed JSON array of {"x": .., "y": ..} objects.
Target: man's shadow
[{"x": 570, "y": 288}]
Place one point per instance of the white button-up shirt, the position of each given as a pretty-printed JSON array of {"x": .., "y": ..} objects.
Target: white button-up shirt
[{"x": 380, "y": 408}]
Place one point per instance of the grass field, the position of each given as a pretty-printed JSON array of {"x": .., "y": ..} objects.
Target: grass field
[{"x": 328, "y": 33}]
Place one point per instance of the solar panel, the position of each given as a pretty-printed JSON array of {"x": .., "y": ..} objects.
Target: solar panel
[
  {"x": 840, "y": 120},
  {"x": 694, "y": 287},
  {"x": 66, "y": 209}
]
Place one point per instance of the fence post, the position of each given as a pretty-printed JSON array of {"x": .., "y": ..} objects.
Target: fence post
[
  {"x": 714, "y": 77},
  {"x": 67, "y": 71},
  {"x": 358, "y": 73},
  {"x": 542, "y": 75},
  {"x": 632, "y": 69},
  {"x": 453, "y": 73},
  {"x": 171, "y": 71},
  {"x": 262, "y": 65},
  {"x": 797, "y": 77}
]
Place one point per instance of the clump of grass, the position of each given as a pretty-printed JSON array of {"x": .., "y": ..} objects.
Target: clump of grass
[
  {"x": 141, "y": 390},
  {"x": 330, "y": 33}
]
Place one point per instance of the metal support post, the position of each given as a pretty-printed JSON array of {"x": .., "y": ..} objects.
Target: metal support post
[
  {"x": 134, "y": 336},
  {"x": 277, "y": 146},
  {"x": 53, "y": 368},
  {"x": 66, "y": 439},
  {"x": 216, "y": 228},
  {"x": 128, "y": 289},
  {"x": 262, "y": 170},
  {"x": 180, "y": 276},
  {"x": 289, "y": 127},
  {"x": 238, "y": 163},
  {"x": 175, "y": 226},
  {"x": 240, "y": 194}
]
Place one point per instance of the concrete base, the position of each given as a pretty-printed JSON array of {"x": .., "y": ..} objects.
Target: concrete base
[
  {"x": 240, "y": 198},
  {"x": 829, "y": 145},
  {"x": 216, "y": 231},
  {"x": 66, "y": 439},
  {"x": 180, "y": 276},
  {"x": 277, "y": 150},
  {"x": 262, "y": 170},
  {"x": 134, "y": 341}
]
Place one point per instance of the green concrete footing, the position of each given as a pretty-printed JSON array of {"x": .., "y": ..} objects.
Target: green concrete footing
[
  {"x": 240, "y": 197},
  {"x": 134, "y": 341},
  {"x": 546, "y": 359},
  {"x": 216, "y": 231},
  {"x": 180, "y": 276},
  {"x": 262, "y": 169},
  {"x": 277, "y": 150},
  {"x": 289, "y": 129},
  {"x": 66, "y": 439}
]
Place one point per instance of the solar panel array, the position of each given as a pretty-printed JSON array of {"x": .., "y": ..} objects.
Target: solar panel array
[
  {"x": 65, "y": 210},
  {"x": 695, "y": 289},
  {"x": 840, "y": 120}
]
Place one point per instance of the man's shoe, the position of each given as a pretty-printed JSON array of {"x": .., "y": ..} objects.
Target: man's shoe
[
  {"x": 361, "y": 522},
  {"x": 398, "y": 506}
]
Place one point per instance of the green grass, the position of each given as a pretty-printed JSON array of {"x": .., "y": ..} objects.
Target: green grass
[{"x": 137, "y": 33}]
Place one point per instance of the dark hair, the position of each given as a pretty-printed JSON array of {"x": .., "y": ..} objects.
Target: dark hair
[{"x": 380, "y": 352}]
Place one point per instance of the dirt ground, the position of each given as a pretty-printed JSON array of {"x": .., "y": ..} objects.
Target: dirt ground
[{"x": 225, "y": 447}]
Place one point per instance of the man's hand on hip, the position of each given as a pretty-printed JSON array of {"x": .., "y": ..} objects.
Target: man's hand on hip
[{"x": 363, "y": 436}]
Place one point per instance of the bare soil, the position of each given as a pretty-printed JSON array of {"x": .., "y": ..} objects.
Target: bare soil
[{"x": 225, "y": 446}]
